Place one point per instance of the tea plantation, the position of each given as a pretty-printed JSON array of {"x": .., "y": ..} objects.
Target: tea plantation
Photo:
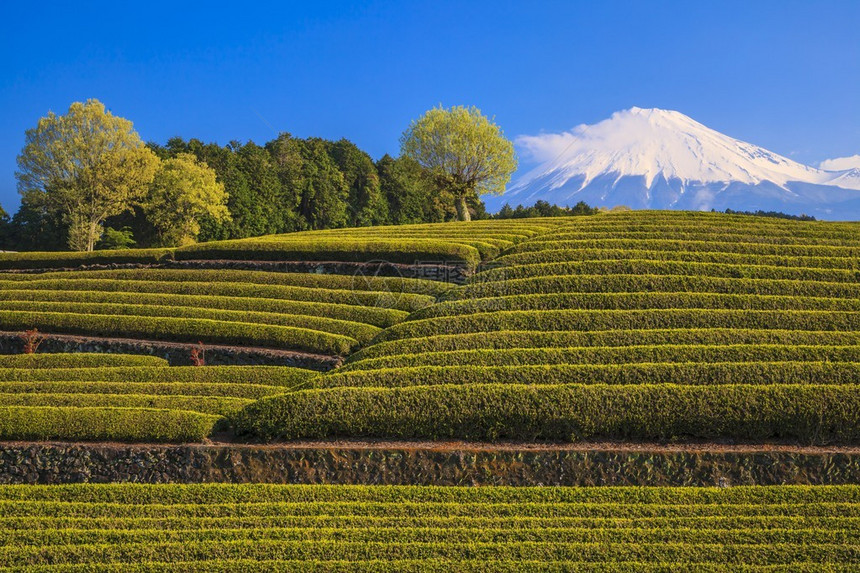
[
  {"x": 627, "y": 328},
  {"x": 322, "y": 315},
  {"x": 624, "y": 326},
  {"x": 353, "y": 528}
]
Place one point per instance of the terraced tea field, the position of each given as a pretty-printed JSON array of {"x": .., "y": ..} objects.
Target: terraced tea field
[
  {"x": 301, "y": 528},
  {"x": 626, "y": 327},
  {"x": 127, "y": 398},
  {"x": 323, "y": 317},
  {"x": 323, "y": 314},
  {"x": 623, "y": 326}
]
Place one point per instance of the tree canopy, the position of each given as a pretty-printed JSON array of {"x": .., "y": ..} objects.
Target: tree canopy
[
  {"x": 183, "y": 192},
  {"x": 86, "y": 165},
  {"x": 465, "y": 151}
]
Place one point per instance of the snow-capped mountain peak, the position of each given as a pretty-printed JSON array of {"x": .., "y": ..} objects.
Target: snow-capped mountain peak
[
  {"x": 659, "y": 158},
  {"x": 654, "y": 142}
]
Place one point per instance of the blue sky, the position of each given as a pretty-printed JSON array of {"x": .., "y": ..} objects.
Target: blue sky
[{"x": 781, "y": 74}]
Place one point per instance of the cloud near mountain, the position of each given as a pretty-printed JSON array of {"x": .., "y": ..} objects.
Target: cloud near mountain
[{"x": 841, "y": 163}]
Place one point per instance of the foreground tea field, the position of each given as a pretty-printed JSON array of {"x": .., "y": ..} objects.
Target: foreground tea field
[
  {"x": 623, "y": 326},
  {"x": 126, "y": 397},
  {"x": 348, "y": 528}
]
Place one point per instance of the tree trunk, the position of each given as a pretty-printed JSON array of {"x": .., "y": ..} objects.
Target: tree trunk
[
  {"x": 463, "y": 209},
  {"x": 92, "y": 235}
]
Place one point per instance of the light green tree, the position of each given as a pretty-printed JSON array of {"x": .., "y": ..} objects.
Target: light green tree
[
  {"x": 87, "y": 165},
  {"x": 465, "y": 151},
  {"x": 184, "y": 190}
]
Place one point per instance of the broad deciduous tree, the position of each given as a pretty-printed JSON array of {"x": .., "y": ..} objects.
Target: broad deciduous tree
[
  {"x": 183, "y": 192},
  {"x": 466, "y": 152},
  {"x": 88, "y": 165}
]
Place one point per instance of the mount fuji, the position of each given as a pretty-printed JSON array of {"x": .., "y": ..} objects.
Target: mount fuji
[{"x": 660, "y": 159}]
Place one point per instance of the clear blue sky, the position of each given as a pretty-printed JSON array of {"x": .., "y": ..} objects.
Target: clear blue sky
[{"x": 781, "y": 74}]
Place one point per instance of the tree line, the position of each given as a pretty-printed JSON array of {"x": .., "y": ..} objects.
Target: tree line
[
  {"x": 771, "y": 214},
  {"x": 545, "y": 209},
  {"x": 87, "y": 181},
  {"x": 292, "y": 184}
]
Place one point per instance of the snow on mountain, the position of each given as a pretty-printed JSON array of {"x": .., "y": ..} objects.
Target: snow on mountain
[{"x": 659, "y": 159}]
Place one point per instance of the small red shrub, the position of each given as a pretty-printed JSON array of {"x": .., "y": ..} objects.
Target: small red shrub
[
  {"x": 198, "y": 355},
  {"x": 32, "y": 339}
]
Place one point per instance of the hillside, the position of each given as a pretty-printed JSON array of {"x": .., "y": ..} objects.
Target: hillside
[
  {"x": 629, "y": 326},
  {"x": 635, "y": 326},
  {"x": 675, "y": 349},
  {"x": 220, "y": 299}
]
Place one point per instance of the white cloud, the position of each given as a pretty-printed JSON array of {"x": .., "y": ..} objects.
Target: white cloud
[
  {"x": 545, "y": 146},
  {"x": 841, "y": 163}
]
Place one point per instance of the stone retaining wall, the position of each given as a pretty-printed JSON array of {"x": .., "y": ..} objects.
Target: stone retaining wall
[
  {"x": 456, "y": 273},
  {"x": 54, "y": 463}
]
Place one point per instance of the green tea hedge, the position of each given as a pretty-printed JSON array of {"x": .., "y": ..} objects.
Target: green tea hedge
[
  {"x": 673, "y": 244},
  {"x": 395, "y": 300},
  {"x": 281, "y": 376},
  {"x": 379, "y": 317},
  {"x": 486, "y": 247},
  {"x": 563, "y": 255},
  {"x": 120, "y": 424},
  {"x": 688, "y": 373},
  {"x": 481, "y": 288},
  {"x": 819, "y": 503},
  {"x": 354, "y": 330},
  {"x": 633, "y": 301},
  {"x": 226, "y": 390},
  {"x": 79, "y": 360},
  {"x": 713, "y": 235},
  {"x": 609, "y": 338},
  {"x": 589, "y": 320},
  {"x": 500, "y": 535},
  {"x": 334, "y": 249},
  {"x": 619, "y": 355},
  {"x": 359, "y": 281},
  {"x": 216, "y": 405},
  {"x": 818, "y": 414},
  {"x": 722, "y": 226},
  {"x": 41, "y": 260},
  {"x": 649, "y": 267},
  {"x": 266, "y": 555},
  {"x": 180, "y": 330}
]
